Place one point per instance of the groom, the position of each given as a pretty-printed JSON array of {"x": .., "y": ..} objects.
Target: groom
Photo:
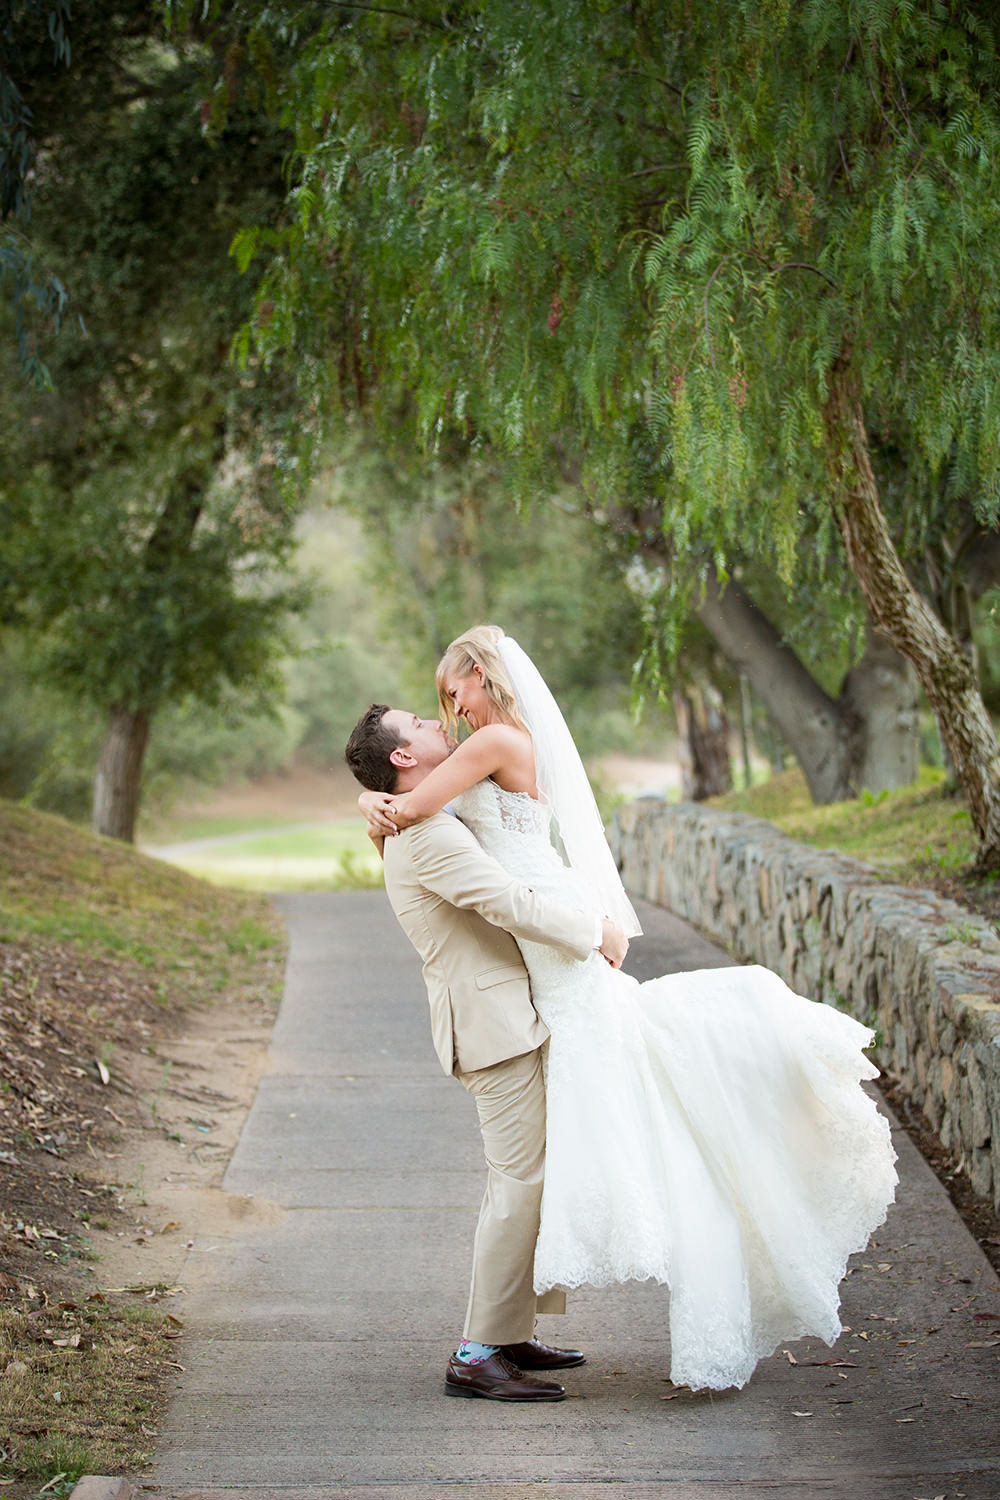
[{"x": 461, "y": 911}]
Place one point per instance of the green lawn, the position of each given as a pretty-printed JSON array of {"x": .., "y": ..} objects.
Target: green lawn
[
  {"x": 308, "y": 856},
  {"x": 169, "y": 830}
]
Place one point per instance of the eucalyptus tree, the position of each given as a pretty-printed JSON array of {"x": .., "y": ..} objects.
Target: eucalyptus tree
[
  {"x": 154, "y": 489},
  {"x": 29, "y": 285},
  {"x": 763, "y": 238}
]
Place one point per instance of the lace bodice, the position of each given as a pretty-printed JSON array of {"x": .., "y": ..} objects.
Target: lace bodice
[{"x": 516, "y": 829}]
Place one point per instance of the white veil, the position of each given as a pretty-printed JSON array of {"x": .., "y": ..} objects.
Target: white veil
[{"x": 563, "y": 783}]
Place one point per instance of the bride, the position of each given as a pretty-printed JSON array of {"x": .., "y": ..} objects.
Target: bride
[{"x": 706, "y": 1129}]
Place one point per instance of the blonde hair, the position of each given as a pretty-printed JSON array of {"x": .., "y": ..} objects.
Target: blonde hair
[{"x": 479, "y": 647}]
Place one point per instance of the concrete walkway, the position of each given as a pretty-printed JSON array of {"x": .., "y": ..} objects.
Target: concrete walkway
[{"x": 317, "y": 1335}]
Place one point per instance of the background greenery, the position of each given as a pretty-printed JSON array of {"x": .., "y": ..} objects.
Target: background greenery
[
  {"x": 389, "y": 590},
  {"x": 538, "y": 310}
]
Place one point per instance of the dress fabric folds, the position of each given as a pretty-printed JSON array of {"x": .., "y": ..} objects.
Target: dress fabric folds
[{"x": 705, "y": 1129}]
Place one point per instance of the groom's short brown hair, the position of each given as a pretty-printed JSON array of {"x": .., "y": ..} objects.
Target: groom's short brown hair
[{"x": 369, "y": 748}]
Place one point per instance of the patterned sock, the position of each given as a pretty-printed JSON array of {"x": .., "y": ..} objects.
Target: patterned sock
[{"x": 471, "y": 1353}]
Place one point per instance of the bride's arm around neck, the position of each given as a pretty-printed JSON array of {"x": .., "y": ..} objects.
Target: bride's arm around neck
[{"x": 497, "y": 750}]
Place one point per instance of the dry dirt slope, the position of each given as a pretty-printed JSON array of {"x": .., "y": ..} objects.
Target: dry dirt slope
[{"x": 135, "y": 1006}]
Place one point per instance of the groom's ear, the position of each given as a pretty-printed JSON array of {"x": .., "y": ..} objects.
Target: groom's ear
[{"x": 401, "y": 758}]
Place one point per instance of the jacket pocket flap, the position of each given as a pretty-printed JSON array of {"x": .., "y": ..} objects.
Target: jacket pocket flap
[{"x": 502, "y": 975}]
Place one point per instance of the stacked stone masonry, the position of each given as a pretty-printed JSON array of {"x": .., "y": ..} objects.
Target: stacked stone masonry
[{"x": 919, "y": 969}]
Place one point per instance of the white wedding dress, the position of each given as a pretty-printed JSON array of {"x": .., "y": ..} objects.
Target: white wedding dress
[{"x": 706, "y": 1129}]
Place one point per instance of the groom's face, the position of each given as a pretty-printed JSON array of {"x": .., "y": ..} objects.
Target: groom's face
[{"x": 425, "y": 743}]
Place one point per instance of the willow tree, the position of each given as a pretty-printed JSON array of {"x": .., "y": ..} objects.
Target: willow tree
[
  {"x": 830, "y": 278},
  {"x": 731, "y": 266}
]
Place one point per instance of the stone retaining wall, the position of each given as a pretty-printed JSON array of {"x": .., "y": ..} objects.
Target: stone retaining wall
[{"x": 919, "y": 969}]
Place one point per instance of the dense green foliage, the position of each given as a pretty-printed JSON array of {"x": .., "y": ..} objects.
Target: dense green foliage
[
  {"x": 643, "y": 248},
  {"x": 388, "y": 591},
  {"x": 645, "y": 235},
  {"x": 30, "y": 287},
  {"x": 154, "y": 455},
  {"x": 151, "y": 499},
  {"x": 447, "y": 548},
  {"x": 597, "y": 251}
]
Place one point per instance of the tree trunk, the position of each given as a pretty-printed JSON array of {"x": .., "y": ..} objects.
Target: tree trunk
[
  {"x": 880, "y": 696},
  {"x": 980, "y": 561},
  {"x": 838, "y": 753},
  {"x": 944, "y": 670},
  {"x": 746, "y": 718},
  {"x": 952, "y": 575},
  {"x": 703, "y": 725},
  {"x": 867, "y": 738},
  {"x": 118, "y": 780},
  {"x": 809, "y": 718}
]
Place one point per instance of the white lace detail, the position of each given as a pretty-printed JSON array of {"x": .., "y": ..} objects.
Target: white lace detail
[{"x": 704, "y": 1129}]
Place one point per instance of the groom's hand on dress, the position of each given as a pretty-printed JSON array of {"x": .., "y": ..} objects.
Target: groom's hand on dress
[{"x": 614, "y": 945}]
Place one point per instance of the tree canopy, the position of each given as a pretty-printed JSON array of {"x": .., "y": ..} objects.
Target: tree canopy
[
  {"x": 729, "y": 268},
  {"x": 29, "y": 285},
  {"x": 653, "y": 230}
]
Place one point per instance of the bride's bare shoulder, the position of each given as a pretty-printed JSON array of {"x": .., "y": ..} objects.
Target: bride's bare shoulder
[
  {"x": 506, "y": 754},
  {"x": 501, "y": 734},
  {"x": 502, "y": 742}
]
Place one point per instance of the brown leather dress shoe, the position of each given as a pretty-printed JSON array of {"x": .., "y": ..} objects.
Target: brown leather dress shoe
[
  {"x": 533, "y": 1355},
  {"x": 497, "y": 1379}
]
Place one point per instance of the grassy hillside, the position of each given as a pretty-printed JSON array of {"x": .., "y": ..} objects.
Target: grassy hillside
[
  {"x": 62, "y": 884},
  {"x": 919, "y": 834},
  {"x": 104, "y": 955}
]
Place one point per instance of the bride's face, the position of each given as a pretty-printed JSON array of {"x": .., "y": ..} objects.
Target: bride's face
[{"x": 472, "y": 702}]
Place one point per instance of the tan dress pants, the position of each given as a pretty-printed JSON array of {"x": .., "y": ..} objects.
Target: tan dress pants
[{"x": 510, "y": 1098}]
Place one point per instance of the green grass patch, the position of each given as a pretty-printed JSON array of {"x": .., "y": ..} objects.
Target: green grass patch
[
  {"x": 910, "y": 834},
  {"x": 169, "y": 830},
  {"x": 78, "y": 1388},
  {"x": 308, "y": 856},
  {"x": 327, "y": 841},
  {"x": 62, "y": 884}
]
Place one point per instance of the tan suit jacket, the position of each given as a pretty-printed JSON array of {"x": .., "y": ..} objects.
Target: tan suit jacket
[{"x": 459, "y": 908}]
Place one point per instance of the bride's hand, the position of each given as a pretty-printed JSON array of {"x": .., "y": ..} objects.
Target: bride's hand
[
  {"x": 615, "y": 944},
  {"x": 377, "y": 809}
]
